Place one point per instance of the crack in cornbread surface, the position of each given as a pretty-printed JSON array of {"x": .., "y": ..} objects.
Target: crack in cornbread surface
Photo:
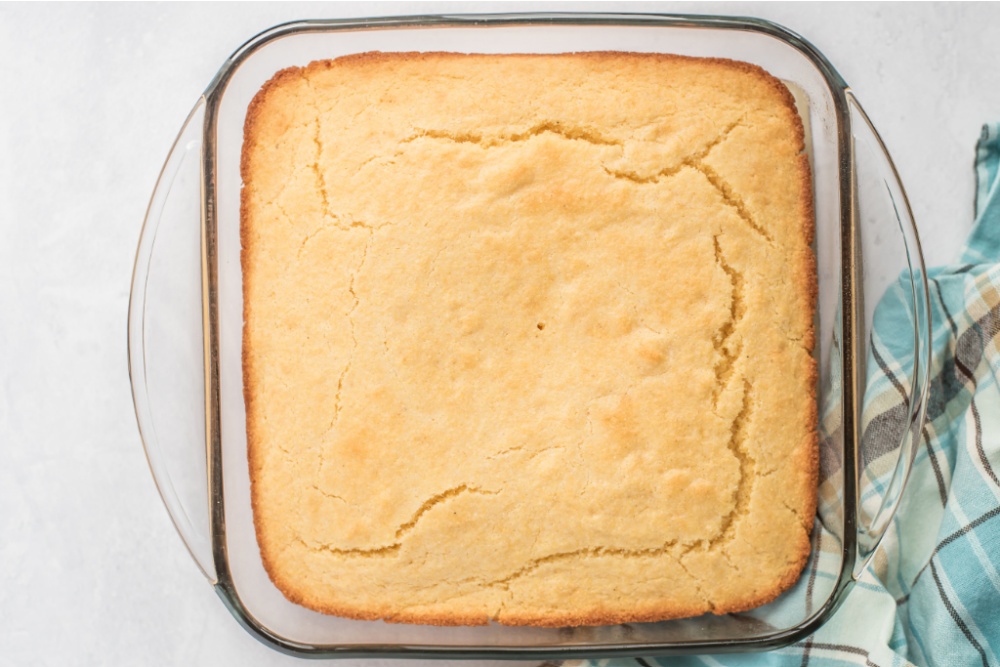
[{"x": 528, "y": 338}]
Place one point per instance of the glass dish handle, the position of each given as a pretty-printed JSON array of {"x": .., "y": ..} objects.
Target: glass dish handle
[
  {"x": 901, "y": 298},
  {"x": 166, "y": 342}
]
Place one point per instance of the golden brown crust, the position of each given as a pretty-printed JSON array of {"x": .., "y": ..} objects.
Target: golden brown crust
[
  {"x": 405, "y": 216},
  {"x": 246, "y": 249}
]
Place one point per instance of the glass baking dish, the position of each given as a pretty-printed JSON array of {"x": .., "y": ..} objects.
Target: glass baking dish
[{"x": 185, "y": 319}]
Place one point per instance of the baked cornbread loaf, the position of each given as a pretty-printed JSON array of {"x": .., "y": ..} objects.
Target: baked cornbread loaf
[{"x": 528, "y": 338}]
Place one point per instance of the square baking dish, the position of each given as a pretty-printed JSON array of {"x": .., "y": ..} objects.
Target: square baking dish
[{"x": 185, "y": 323}]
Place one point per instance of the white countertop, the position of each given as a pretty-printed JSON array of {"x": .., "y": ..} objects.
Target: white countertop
[{"x": 91, "y": 570}]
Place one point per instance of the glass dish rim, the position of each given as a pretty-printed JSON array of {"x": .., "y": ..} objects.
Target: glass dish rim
[{"x": 850, "y": 302}]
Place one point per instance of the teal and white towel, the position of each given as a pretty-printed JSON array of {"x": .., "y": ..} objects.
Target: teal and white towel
[{"x": 931, "y": 596}]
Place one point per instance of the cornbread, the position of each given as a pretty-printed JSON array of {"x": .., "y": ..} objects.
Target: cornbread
[{"x": 528, "y": 338}]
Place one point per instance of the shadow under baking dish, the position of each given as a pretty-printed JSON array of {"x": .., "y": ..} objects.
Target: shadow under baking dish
[{"x": 185, "y": 326}]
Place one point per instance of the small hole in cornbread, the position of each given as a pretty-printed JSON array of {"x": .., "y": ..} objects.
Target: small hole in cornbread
[{"x": 540, "y": 325}]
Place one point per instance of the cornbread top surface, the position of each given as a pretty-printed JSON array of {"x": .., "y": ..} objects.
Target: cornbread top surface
[{"x": 528, "y": 338}]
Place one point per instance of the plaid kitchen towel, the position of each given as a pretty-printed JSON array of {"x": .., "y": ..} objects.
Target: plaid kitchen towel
[{"x": 931, "y": 595}]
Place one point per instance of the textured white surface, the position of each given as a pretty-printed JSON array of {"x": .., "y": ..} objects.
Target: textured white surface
[{"x": 91, "y": 571}]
